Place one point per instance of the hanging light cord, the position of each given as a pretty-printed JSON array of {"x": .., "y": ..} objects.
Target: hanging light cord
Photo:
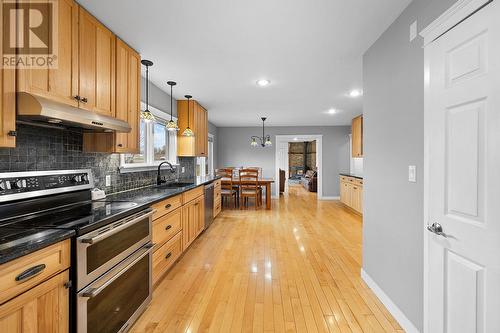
[
  {"x": 171, "y": 105},
  {"x": 147, "y": 88}
]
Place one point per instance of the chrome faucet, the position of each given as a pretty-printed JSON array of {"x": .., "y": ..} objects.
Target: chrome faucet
[{"x": 159, "y": 180}]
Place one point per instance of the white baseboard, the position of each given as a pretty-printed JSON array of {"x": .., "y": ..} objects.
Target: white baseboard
[
  {"x": 405, "y": 323},
  {"x": 329, "y": 198}
]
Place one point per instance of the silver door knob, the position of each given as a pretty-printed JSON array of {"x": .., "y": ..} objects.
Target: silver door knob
[{"x": 437, "y": 229}]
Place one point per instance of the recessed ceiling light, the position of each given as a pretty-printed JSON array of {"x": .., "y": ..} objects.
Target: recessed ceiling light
[
  {"x": 355, "y": 93},
  {"x": 295, "y": 139},
  {"x": 263, "y": 82},
  {"x": 332, "y": 111}
]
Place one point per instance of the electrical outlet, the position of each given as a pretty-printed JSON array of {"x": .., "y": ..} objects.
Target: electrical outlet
[
  {"x": 412, "y": 173},
  {"x": 183, "y": 169},
  {"x": 108, "y": 180},
  {"x": 413, "y": 31}
]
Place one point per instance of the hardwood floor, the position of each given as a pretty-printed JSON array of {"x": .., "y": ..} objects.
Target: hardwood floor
[{"x": 295, "y": 268}]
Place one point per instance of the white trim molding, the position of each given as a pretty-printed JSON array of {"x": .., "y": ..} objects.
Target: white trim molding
[
  {"x": 395, "y": 311},
  {"x": 329, "y": 198},
  {"x": 453, "y": 16}
]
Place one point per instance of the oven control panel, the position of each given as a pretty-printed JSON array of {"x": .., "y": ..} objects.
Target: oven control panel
[{"x": 44, "y": 182}]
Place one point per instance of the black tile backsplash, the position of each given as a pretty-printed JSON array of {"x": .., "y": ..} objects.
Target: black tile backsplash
[{"x": 41, "y": 148}]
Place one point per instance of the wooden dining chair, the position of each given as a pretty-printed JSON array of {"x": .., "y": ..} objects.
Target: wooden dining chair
[
  {"x": 249, "y": 187},
  {"x": 259, "y": 172},
  {"x": 228, "y": 188}
]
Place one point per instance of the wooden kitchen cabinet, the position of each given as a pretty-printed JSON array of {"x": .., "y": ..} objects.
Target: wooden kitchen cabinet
[
  {"x": 44, "y": 308},
  {"x": 127, "y": 104},
  {"x": 198, "y": 122},
  {"x": 7, "y": 103},
  {"x": 59, "y": 84},
  {"x": 351, "y": 193},
  {"x": 193, "y": 220},
  {"x": 217, "y": 197},
  {"x": 357, "y": 137},
  {"x": 97, "y": 65}
]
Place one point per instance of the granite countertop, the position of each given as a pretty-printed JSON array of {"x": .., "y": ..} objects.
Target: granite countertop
[
  {"x": 16, "y": 242},
  {"x": 147, "y": 196},
  {"x": 348, "y": 174},
  {"x": 31, "y": 241}
]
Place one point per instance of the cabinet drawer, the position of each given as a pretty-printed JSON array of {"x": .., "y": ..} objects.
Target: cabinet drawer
[
  {"x": 166, "y": 226},
  {"x": 166, "y": 206},
  {"x": 26, "y": 272},
  {"x": 358, "y": 182},
  {"x": 217, "y": 208},
  {"x": 344, "y": 178},
  {"x": 166, "y": 256},
  {"x": 217, "y": 184},
  {"x": 192, "y": 194}
]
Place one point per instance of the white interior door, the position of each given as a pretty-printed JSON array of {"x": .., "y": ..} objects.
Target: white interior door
[{"x": 463, "y": 136}]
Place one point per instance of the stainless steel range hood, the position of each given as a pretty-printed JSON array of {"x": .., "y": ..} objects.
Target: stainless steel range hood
[{"x": 41, "y": 110}]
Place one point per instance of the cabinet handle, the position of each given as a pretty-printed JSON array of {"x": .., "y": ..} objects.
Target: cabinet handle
[
  {"x": 167, "y": 206},
  {"x": 120, "y": 145},
  {"x": 78, "y": 98},
  {"x": 84, "y": 99},
  {"x": 168, "y": 255},
  {"x": 12, "y": 133},
  {"x": 30, "y": 272},
  {"x": 168, "y": 227}
]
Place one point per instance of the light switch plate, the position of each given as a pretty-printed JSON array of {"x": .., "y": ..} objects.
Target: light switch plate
[
  {"x": 412, "y": 173},
  {"x": 183, "y": 169},
  {"x": 413, "y": 31},
  {"x": 108, "y": 180}
]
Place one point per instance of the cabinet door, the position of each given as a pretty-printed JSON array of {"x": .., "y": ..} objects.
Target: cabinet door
[
  {"x": 59, "y": 84},
  {"x": 127, "y": 93},
  {"x": 7, "y": 103},
  {"x": 44, "y": 308},
  {"x": 201, "y": 215},
  {"x": 187, "y": 218},
  {"x": 97, "y": 66},
  {"x": 355, "y": 198},
  {"x": 357, "y": 137}
]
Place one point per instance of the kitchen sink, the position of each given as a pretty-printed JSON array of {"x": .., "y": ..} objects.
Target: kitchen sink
[{"x": 175, "y": 185}]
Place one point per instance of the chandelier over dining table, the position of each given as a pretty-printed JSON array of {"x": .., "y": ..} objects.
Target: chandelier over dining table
[{"x": 264, "y": 140}]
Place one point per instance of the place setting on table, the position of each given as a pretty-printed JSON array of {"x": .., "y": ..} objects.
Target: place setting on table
[{"x": 240, "y": 185}]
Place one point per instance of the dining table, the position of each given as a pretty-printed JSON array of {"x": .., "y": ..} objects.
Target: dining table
[{"x": 261, "y": 182}]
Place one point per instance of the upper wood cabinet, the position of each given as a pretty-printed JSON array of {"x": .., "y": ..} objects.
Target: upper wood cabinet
[
  {"x": 7, "y": 103},
  {"x": 357, "y": 137},
  {"x": 198, "y": 122},
  {"x": 97, "y": 65},
  {"x": 60, "y": 84},
  {"x": 127, "y": 103}
]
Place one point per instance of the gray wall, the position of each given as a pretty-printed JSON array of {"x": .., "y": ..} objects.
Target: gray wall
[
  {"x": 393, "y": 139},
  {"x": 234, "y": 150}
]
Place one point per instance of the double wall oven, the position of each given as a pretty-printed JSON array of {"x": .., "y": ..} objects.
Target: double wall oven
[{"x": 111, "y": 267}]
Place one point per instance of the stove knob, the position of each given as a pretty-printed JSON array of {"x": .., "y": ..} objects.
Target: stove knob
[
  {"x": 85, "y": 178},
  {"x": 18, "y": 184},
  {"x": 3, "y": 186},
  {"x": 76, "y": 179}
]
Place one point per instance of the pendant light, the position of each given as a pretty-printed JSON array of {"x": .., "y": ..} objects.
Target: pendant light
[
  {"x": 265, "y": 140},
  {"x": 172, "y": 125},
  {"x": 188, "y": 132},
  {"x": 146, "y": 115}
]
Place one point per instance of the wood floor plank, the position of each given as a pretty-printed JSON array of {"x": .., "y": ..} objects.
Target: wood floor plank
[{"x": 295, "y": 268}]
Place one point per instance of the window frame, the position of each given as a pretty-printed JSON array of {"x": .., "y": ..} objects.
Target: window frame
[{"x": 150, "y": 163}]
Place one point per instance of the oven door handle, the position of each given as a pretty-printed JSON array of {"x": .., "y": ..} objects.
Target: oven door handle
[
  {"x": 116, "y": 229},
  {"x": 93, "y": 292}
]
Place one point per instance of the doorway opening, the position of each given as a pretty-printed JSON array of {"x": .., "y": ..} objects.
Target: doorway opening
[{"x": 299, "y": 164}]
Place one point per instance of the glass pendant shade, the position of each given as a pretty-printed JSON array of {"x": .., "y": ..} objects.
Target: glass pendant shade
[
  {"x": 268, "y": 142},
  {"x": 254, "y": 143},
  {"x": 146, "y": 115},
  {"x": 188, "y": 132},
  {"x": 172, "y": 126}
]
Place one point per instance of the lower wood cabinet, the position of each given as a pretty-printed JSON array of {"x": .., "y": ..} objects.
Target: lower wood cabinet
[
  {"x": 42, "y": 309},
  {"x": 217, "y": 198},
  {"x": 193, "y": 220},
  {"x": 351, "y": 193},
  {"x": 177, "y": 222}
]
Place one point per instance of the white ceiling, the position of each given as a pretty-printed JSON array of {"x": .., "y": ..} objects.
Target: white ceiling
[{"x": 216, "y": 50}]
